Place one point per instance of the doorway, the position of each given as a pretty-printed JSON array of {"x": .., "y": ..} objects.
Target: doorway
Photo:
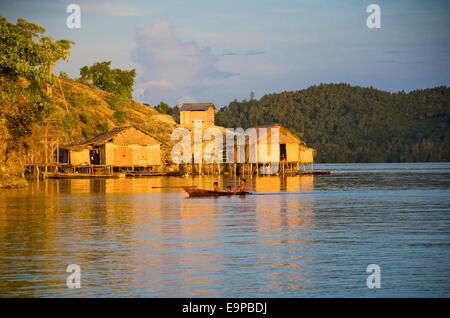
[
  {"x": 95, "y": 157},
  {"x": 282, "y": 152}
]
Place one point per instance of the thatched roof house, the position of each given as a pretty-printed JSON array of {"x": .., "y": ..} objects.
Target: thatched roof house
[
  {"x": 120, "y": 147},
  {"x": 291, "y": 148}
]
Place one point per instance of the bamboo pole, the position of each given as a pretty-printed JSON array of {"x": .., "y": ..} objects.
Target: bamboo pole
[{"x": 62, "y": 92}]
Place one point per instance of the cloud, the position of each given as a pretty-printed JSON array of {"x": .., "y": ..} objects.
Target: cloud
[
  {"x": 229, "y": 54},
  {"x": 161, "y": 84},
  {"x": 187, "y": 99},
  {"x": 251, "y": 52},
  {"x": 103, "y": 9},
  {"x": 171, "y": 70},
  {"x": 255, "y": 52},
  {"x": 110, "y": 9}
]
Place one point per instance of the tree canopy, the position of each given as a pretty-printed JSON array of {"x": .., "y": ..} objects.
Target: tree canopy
[
  {"x": 26, "y": 57},
  {"x": 26, "y": 52},
  {"x": 114, "y": 80},
  {"x": 354, "y": 124}
]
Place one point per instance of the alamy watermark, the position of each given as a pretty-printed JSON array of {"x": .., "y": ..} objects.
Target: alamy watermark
[
  {"x": 73, "y": 21},
  {"x": 374, "y": 19},
  {"x": 74, "y": 279},
  {"x": 374, "y": 279},
  {"x": 238, "y": 146}
]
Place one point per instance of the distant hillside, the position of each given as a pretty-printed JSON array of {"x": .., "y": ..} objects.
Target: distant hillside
[{"x": 354, "y": 124}]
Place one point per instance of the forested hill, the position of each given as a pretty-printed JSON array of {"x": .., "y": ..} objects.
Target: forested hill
[{"x": 354, "y": 124}]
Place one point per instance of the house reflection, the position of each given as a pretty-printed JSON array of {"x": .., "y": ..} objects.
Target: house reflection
[
  {"x": 286, "y": 219},
  {"x": 178, "y": 241},
  {"x": 285, "y": 213},
  {"x": 148, "y": 238}
]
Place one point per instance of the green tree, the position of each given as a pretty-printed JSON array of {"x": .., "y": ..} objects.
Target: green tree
[
  {"x": 102, "y": 76},
  {"x": 164, "y": 108},
  {"x": 26, "y": 57},
  {"x": 63, "y": 74}
]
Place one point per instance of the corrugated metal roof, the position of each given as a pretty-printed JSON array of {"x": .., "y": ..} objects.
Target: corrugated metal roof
[{"x": 197, "y": 106}]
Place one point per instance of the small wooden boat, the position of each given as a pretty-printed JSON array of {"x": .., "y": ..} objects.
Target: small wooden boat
[{"x": 209, "y": 193}]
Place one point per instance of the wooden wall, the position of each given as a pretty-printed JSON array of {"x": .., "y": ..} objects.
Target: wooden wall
[
  {"x": 292, "y": 152},
  {"x": 132, "y": 155},
  {"x": 79, "y": 157},
  {"x": 306, "y": 155},
  {"x": 187, "y": 117},
  {"x": 122, "y": 156}
]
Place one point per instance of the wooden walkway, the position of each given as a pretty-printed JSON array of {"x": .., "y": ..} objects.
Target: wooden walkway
[{"x": 61, "y": 171}]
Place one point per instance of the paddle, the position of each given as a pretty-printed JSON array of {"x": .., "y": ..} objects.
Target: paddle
[{"x": 174, "y": 187}]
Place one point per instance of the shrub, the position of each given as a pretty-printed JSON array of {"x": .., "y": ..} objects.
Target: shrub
[
  {"x": 120, "y": 116},
  {"x": 86, "y": 133},
  {"x": 78, "y": 100},
  {"x": 67, "y": 123},
  {"x": 104, "y": 127},
  {"x": 119, "y": 101},
  {"x": 85, "y": 118}
]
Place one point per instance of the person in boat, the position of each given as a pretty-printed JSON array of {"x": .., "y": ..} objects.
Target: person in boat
[
  {"x": 241, "y": 186},
  {"x": 230, "y": 191},
  {"x": 216, "y": 187}
]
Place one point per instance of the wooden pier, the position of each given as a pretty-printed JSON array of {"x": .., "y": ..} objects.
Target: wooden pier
[
  {"x": 250, "y": 169},
  {"x": 60, "y": 170},
  {"x": 63, "y": 170}
]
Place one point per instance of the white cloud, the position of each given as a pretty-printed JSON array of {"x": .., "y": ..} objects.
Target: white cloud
[
  {"x": 171, "y": 70},
  {"x": 187, "y": 99},
  {"x": 158, "y": 84},
  {"x": 161, "y": 84}
]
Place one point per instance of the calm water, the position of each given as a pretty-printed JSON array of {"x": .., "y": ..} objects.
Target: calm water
[{"x": 308, "y": 236}]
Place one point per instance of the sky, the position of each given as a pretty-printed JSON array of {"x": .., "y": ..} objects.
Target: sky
[{"x": 217, "y": 51}]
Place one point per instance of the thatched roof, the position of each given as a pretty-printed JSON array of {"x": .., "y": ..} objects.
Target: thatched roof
[
  {"x": 283, "y": 131},
  {"x": 197, "y": 106},
  {"x": 106, "y": 137}
]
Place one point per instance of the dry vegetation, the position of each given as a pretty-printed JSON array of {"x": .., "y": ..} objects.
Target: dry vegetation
[{"x": 90, "y": 112}]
